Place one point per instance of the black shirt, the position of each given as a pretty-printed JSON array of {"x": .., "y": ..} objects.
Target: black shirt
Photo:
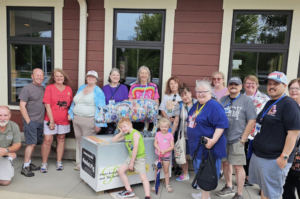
[{"x": 282, "y": 117}]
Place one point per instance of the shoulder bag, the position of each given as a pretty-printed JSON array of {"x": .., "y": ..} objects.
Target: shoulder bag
[
  {"x": 295, "y": 169},
  {"x": 206, "y": 177},
  {"x": 179, "y": 148}
]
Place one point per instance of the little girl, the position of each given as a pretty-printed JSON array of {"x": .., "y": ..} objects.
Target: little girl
[{"x": 164, "y": 144}]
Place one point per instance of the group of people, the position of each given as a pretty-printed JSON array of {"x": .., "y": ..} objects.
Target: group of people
[{"x": 253, "y": 133}]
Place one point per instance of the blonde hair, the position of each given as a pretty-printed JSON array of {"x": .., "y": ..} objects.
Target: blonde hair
[
  {"x": 124, "y": 120},
  {"x": 164, "y": 121},
  {"x": 215, "y": 73},
  {"x": 251, "y": 78}
]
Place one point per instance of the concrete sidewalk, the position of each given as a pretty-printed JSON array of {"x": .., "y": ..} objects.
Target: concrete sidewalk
[{"x": 67, "y": 184}]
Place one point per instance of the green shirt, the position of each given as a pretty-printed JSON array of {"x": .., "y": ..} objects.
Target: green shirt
[
  {"x": 130, "y": 144},
  {"x": 10, "y": 135}
]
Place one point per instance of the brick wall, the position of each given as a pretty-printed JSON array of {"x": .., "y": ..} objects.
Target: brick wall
[{"x": 197, "y": 39}]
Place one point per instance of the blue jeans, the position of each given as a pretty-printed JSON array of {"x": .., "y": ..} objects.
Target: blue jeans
[{"x": 197, "y": 162}]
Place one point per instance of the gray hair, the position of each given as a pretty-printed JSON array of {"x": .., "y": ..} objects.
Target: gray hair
[
  {"x": 204, "y": 83},
  {"x": 138, "y": 80},
  {"x": 113, "y": 70}
]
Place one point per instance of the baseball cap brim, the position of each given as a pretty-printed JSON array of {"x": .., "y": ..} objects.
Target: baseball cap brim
[{"x": 275, "y": 79}]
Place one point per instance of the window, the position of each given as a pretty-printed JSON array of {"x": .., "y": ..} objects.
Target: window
[
  {"x": 29, "y": 45},
  {"x": 138, "y": 41},
  {"x": 259, "y": 44}
]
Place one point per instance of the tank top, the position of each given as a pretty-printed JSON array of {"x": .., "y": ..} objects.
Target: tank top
[{"x": 130, "y": 144}]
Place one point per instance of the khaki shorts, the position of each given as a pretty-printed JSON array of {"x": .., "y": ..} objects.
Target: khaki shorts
[
  {"x": 6, "y": 169},
  {"x": 139, "y": 164},
  {"x": 235, "y": 154}
]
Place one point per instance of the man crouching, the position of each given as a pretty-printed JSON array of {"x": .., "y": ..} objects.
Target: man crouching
[
  {"x": 136, "y": 160},
  {"x": 10, "y": 142}
]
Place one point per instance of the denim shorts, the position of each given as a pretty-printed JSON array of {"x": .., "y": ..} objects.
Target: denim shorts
[
  {"x": 33, "y": 132},
  {"x": 162, "y": 158}
]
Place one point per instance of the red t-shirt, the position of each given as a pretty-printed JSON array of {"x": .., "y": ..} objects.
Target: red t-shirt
[{"x": 59, "y": 103}]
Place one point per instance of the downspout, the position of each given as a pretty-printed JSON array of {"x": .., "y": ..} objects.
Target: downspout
[
  {"x": 82, "y": 51},
  {"x": 82, "y": 42}
]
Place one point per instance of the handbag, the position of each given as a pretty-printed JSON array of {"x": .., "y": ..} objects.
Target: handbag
[
  {"x": 206, "y": 177},
  {"x": 295, "y": 169},
  {"x": 179, "y": 147}
]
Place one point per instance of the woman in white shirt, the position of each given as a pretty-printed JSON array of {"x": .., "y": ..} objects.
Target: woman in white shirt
[{"x": 170, "y": 98}]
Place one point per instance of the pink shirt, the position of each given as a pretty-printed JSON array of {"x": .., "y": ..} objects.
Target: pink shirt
[
  {"x": 164, "y": 142},
  {"x": 221, "y": 93},
  {"x": 137, "y": 91}
]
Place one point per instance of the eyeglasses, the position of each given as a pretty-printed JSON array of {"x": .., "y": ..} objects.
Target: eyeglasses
[
  {"x": 201, "y": 92},
  {"x": 218, "y": 79},
  {"x": 294, "y": 88},
  {"x": 250, "y": 84}
]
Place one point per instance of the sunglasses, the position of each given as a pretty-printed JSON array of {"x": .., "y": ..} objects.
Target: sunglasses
[
  {"x": 218, "y": 79},
  {"x": 174, "y": 97}
]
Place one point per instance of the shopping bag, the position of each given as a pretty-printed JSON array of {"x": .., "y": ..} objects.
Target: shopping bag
[{"x": 179, "y": 148}]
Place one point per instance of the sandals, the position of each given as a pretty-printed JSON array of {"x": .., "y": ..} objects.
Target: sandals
[
  {"x": 77, "y": 168},
  {"x": 153, "y": 189},
  {"x": 169, "y": 189}
]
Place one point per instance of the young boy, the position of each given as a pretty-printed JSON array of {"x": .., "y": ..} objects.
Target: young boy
[{"x": 136, "y": 160}]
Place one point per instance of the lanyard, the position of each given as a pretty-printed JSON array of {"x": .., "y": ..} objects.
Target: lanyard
[
  {"x": 113, "y": 93},
  {"x": 144, "y": 90},
  {"x": 198, "y": 111},
  {"x": 254, "y": 95},
  {"x": 230, "y": 101},
  {"x": 265, "y": 112}
]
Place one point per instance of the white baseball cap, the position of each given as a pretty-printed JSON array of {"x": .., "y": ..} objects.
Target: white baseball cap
[{"x": 93, "y": 73}]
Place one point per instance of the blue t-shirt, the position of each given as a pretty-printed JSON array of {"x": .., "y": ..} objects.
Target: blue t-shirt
[
  {"x": 120, "y": 95},
  {"x": 212, "y": 116}
]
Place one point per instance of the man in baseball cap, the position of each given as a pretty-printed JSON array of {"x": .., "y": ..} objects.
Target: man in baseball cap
[
  {"x": 277, "y": 127},
  {"x": 241, "y": 114},
  {"x": 278, "y": 77}
]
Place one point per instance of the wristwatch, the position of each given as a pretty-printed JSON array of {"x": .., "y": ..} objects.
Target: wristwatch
[
  {"x": 7, "y": 150},
  {"x": 285, "y": 157},
  {"x": 242, "y": 140}
]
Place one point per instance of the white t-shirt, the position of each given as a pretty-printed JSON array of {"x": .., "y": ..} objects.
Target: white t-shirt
[
  {"x": 167, "y": 104},
  {"x": 84, "y": 104}
]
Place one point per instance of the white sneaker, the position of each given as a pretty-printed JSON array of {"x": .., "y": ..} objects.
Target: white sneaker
[{"x": 197, "y": 195}]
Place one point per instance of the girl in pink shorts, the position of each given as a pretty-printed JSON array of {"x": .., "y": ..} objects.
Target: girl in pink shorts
[{"x": 164, "y": 144}]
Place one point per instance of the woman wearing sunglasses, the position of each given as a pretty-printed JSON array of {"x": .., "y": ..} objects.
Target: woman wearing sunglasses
[{"x": 218, "y": 84}]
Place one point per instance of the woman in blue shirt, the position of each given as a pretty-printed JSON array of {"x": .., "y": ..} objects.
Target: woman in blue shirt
[
  {"x": 114, "y": 92},
  {"x": 206, "y": 118},
  {"x": 83, "y": 111}
]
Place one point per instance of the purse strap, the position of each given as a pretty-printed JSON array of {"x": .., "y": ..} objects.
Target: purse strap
[
  {"x": 298, "y": 144},
  {"x": 195, "y": 154},
  {"x": 182, "y": 124}
]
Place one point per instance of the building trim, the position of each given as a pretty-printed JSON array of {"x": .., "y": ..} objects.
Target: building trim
[
  {"x": 294, "y": 45},
  {"x": 58, "y": 50},
  {"x": 82, "y": 42},
  {"x": 168, "y": 5}
]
